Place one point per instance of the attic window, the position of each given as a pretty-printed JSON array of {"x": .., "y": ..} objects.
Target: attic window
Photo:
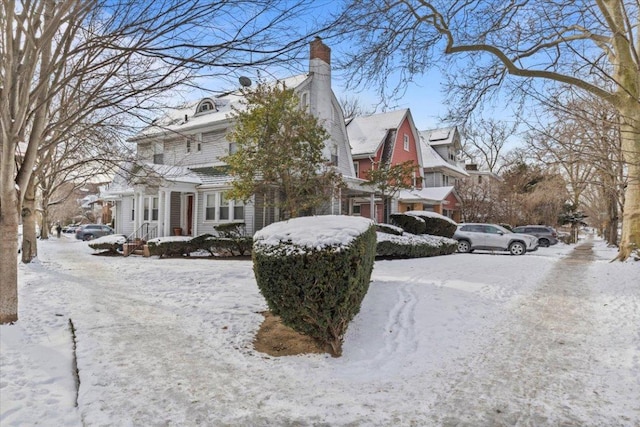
[{"x": 206, "y": 106}]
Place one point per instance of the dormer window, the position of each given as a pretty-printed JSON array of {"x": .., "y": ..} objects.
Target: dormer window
[{"x": 206, "y": 106}]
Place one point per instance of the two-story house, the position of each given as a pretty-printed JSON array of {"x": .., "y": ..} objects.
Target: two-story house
[
  {"x": 178, "y": 183},
  {"x": 440, "y": 149},
  {"x": 383, "y": 139}
]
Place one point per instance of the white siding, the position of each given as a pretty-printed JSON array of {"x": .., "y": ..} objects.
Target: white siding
[{"x": 126, "y": 224}]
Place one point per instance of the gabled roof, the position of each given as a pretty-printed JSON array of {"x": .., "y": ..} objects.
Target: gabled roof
[
  {"x": 366, "y": 134},
  {"x": 432, "y": 160},
  {"x": 186, "y": 117},
  {"x": 431, "y": 194}
]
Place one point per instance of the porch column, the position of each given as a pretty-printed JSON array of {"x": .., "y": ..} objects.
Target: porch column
[
  {"x": 372, "y": 205},
  {"x": 160, "y": 212},
  {"x": 167, "y": 213},
  {"x": 141, "y": 210}
]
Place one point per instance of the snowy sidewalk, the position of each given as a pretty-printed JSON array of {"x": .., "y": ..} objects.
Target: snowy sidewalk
[{"x": 547, "y": 364}]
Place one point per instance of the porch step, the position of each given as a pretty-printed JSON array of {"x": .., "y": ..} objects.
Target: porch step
[{"x": 135, "y": 249}]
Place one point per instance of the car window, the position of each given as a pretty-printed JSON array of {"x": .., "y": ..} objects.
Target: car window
[{"x": 491, "y": 229}]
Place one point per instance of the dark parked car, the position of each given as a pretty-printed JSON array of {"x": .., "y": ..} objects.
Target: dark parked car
[
  {"x": 547, "y": 236},
  {"x": 91, "y": 231}
]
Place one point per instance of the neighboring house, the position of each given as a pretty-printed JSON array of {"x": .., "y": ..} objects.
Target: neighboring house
[
  {"x": 388, "y": 139},
  {"x": 479, "y": 194},
  {"x": 440, "y": 149},
  {"x": 178, "y": 183}
]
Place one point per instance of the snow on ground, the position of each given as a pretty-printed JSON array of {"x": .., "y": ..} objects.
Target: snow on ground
[{"x": 463, "y": 339}]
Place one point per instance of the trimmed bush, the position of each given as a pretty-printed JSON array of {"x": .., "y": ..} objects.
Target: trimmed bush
[
  {"x": 179, "y": 245},
  {"x": 231, "y": 229},
  {"x": 108, "y": 244},
  {"x": 389, "y": 229},
  {"x": 409, "y": 223},
  {"x": 314, "y": 273},
  {"x": 234, "y": 246},
  {"x": 435, "y": 224},
  {"x": 411, "y": 246}
]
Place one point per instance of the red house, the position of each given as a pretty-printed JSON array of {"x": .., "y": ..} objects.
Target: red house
[{"x": 383, "y": 139}]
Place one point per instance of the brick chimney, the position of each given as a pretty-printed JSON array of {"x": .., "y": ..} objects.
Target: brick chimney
[{"x": 320, "y": 51}]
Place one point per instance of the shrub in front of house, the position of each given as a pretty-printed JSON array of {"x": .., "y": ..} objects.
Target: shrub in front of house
[
  {"x": 409, "y": 223},
  {"x": 413, "y": 246},
  {"x": 180, "y": 245},
  {"x": 111, "y": 244},
  {"x": 232, "y": 246},
  {"x": 314, "y": 273},
  {"x": 435, "y": 224},
  {"x": 389, "y": 229}
]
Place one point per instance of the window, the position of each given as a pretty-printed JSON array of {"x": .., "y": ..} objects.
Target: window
[
  {"x": 305, "y": 99},
  {"x": 356, "y": 209},
  {"x": 150, "y": 209},
  {"x": 238, "y": 209},
  {"x": 219, "y": 208},
  {"x": 205, "y": 106},
  {"x": 445, "y": 180},
  {"x": 188, "y": 145},
  {"x": 210, "y": 207},
  {"x": 224, "y": 207},
  {"x": 406, "y": 142},
  {"x": 233, "y": 148},
  {"x": 158, "y": 159},
  {"x": 199, "y": 142},
  {"x": 356, "y": 167},
  {"x": 133, "y": 210}
]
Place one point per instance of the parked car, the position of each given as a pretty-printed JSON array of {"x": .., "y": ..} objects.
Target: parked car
[
  {"x": 547, "y": 236},
  {"x": 70, "y": 229},
  {"x": 493, "y": 237},
  {"x": 91, "y": 231}
]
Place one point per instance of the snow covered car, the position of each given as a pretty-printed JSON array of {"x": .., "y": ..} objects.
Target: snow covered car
[{"x": 493, "y": 237}]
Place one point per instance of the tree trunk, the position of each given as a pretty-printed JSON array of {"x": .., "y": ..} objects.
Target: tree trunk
[
  {"x": 8, "y": 253},
  {"x": 29, "y": 220},
  {"x": 630, "y": 135}
]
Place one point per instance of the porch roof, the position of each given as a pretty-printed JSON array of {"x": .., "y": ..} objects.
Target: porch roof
[{"x": 430, "y": 194}]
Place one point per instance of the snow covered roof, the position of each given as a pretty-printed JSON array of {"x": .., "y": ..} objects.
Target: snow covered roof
[
  {"x": 186, "y": 117},
  {"x": 433, "y": 194},
  {"x": 174, "y": 173},
  {"x": 439, "y": 136},
  {"x": 213, "y": 175},
  {"x": 366, "y": 134},
  {"x": 432, "y": 160}
]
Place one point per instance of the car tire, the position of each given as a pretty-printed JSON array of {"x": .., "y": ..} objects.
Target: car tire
[
  {"x": 544, "y": 243},
  {"x": 517, "y": 248},
  {"x": 464, "y": 246},
  {"x": 87, "y": 237}
]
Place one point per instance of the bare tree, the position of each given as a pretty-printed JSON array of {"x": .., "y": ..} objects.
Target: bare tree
[
  {"x": 542, "y": 42},
  {"x": 115, "y": 56},
  {"x": 352, "y": 107},
  {"x": 580, "y": 137},
  {"x": 484, "y": 141}
]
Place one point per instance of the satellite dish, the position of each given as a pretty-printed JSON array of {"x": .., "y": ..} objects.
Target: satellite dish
[{"x": 245, "y": 81}]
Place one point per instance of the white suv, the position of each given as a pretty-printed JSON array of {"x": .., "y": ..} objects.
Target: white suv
[{"x": 493, "y": 237}]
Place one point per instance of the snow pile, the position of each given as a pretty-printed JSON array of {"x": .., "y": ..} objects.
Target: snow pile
[
  {"x": 414, "y": 239},
  {"x": 110, "y": 239}
]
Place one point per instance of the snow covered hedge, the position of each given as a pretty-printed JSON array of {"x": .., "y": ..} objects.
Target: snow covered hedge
[
  {"x": 413, "y": 246},
  {"x": 424, "y": 222},
  {"x": 185, "y": 245},
  {"x": 315, "y": 271},
  {"x": 111, "y": 243}
]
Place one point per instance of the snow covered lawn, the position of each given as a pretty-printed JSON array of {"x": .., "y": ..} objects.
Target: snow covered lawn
[{"x": 168, "y": 342}]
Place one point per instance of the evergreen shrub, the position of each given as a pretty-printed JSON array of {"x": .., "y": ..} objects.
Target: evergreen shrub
[
  {"x": 316, "y": 289},
  {"x": 180, "y": 246},
  {"x": 409, "y": 223},
  {"x": 436, "y": 226},
  {"x": 411, "y": 246},
  {"x": 111, "y": 244},
  {"x": 389, "y": 229}
]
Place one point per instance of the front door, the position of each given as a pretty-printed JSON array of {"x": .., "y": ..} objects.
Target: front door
[{"x": 189, "y": 214}]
